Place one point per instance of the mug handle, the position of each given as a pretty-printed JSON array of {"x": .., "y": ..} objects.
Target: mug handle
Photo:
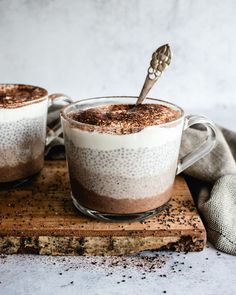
[
  {"x": 204, "y": 148},
  {"x": 56, "y": 130}
]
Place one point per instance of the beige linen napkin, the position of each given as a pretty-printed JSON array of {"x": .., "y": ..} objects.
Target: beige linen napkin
[{"x": 212, "y": 181}]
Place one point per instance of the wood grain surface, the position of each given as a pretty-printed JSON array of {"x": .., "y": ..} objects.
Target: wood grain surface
[{"x": 40, "y": 218}]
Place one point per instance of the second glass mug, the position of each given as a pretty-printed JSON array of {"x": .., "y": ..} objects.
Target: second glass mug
[
  {"x": 130, "y": 176},
  {"x": 23, "y": 135}
]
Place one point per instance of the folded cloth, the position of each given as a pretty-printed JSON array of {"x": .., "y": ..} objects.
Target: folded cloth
[
  {"x": 212, "y": 181},
  {"x": 55, "y": 150}
]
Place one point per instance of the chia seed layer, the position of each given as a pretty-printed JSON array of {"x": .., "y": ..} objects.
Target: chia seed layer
[{"x": 21, "y": 148}]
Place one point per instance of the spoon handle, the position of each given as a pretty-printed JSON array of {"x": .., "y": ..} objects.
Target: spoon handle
[{"x": 160, "y": 61}]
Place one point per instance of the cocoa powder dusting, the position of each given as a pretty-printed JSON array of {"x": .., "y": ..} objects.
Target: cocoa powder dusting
[
  {"x": 15, "y": 95},
  {"x": 125, "y": 119}
]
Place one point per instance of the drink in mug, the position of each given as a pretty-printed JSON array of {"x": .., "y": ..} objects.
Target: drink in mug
[
  {"x": 23, "y": 115},
  {"x": 123, "y": 159}
]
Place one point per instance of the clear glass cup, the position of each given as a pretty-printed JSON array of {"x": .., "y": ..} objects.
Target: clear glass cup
[
  {"x": 23, "y": 135},
  {"x": 129, "y": 176}
]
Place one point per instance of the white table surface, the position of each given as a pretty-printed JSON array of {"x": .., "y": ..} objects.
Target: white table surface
[
  {"x": 207, "y": 272},
  {"x": 202, "y": 273}
]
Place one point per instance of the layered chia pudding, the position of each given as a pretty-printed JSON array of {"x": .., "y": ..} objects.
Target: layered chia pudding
[
  {"x": 122, "y": 158},
  {"x": 23, "y": 111}
]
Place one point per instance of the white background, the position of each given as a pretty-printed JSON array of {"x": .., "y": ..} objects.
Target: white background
[{"x": 100, "y": 47}]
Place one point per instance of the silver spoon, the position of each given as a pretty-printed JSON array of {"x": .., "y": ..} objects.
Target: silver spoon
[{"x": 160, "y": 61}]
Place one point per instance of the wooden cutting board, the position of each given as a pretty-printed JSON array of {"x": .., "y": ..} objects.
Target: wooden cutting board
[{"x": 40, "y": 218}]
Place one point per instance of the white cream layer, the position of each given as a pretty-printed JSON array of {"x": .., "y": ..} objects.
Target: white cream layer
[
  {"x": 31, "y": 111},
  {"x": 148, "y": 137}
]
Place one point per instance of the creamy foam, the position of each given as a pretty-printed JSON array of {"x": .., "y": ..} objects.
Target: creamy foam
[
  {"x": 29, "y": 111},
  {"x": 148, "y": 137}
]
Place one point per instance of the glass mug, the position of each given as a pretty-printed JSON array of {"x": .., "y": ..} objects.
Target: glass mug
[
  {"x": 127, "y": 177},
  {"x": 23, "y": 134}
]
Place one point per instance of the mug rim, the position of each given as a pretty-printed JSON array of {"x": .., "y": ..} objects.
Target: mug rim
[
  {"x": 107, "y": 128},
  {"x": 27, "y": 102}
]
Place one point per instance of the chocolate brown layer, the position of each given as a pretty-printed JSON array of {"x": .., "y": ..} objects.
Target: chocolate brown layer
[
  {"x": 12, "y": 95},
  {"x": 21, "y": 170},
  {"x": 103, "y": 204}
]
